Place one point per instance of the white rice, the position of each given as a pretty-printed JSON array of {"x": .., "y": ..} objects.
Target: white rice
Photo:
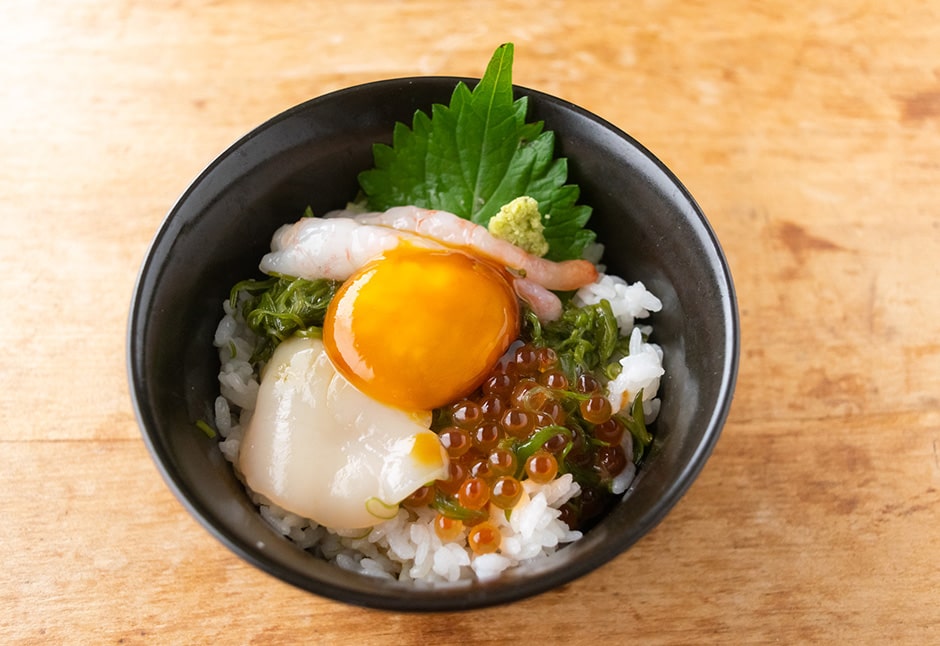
[
  {"x": 642, "y": 368},
  {"x": 628, "y": 302},
  {"x": 406, "y": 546}
]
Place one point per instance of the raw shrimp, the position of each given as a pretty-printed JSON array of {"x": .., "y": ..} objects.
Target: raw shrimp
[
  {"x": 331, "y": 248},
  {"x": 544, "y": 303},
  {"x": 453, "y": 230},
  {"x": 337, "y": 245}
]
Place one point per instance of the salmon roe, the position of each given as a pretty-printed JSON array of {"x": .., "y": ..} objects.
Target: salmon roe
[
  {"x": 507, "y": 491},
  {"x": 610, "y": 431},
  {"x": 596, "y": 409},
  {"x": 456, "y": 441},
  {"x": 484, "y": 538},
  {"x": 547, "y": 359},
  {"x": 474, "y": 493},
  {"x": 421, "y": 497},
  {"x": 495, "y": 441},
  {"x": 447, "y": 529},
  {"x": 541, "y": 467},
  {"x": 502, "y": 461}
]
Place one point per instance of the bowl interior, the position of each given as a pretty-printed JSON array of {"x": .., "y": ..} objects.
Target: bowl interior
[{"x": 310, "y": 155}]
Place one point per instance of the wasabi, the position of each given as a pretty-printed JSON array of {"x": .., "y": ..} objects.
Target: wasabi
[{"x": 520, "y": 223}]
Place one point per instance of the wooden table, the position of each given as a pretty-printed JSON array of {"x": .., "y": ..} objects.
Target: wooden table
[{"x": 808, "y": 131}]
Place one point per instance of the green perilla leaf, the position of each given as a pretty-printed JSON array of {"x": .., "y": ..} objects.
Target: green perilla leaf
[{"x": 475, "y": 155}]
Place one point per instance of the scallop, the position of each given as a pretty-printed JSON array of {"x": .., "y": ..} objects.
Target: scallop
[{"x": 319, "y": 447}]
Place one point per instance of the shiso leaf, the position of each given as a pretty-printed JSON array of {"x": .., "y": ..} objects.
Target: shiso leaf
[{"x": 475, "y": 155}]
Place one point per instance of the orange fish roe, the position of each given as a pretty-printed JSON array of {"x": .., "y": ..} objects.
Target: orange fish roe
[
  {"x": 421, "y": 497},
  {"x": 474, "y": 493},
  {"x": 596, "y": 409},
  {"x": 506, "y": 492},
  {"x": 447, "y": 529},
  {"x": 528, "y": 420},
  {"x": 455, "y": 440},
  {"x": 541, "y": 467},
  {"x": 484, "y": 538}
]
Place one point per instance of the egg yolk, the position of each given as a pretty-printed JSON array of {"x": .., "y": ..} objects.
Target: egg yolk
[{"x": 419, "y": 328}]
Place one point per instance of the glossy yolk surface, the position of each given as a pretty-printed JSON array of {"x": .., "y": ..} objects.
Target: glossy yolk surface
[{"x": 420, "y": 328}]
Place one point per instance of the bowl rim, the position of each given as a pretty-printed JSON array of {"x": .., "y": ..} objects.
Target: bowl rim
[{"x": 477, "y": 596}]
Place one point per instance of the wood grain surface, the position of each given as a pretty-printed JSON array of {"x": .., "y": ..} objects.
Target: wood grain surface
[{"x": 809, "y": 132}]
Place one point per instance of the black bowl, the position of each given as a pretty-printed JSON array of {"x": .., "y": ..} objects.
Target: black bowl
[{"x": 311, "y": 154}]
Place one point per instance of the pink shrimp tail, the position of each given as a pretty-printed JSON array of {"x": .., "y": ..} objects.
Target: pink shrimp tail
[{"x": 544, "y": 303}]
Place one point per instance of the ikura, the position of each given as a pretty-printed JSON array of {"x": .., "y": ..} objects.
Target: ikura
[
  {"x": 502, "y": 461},
  {"x": 484, "y": 435},
  {"x": 506, "y": 492},
  {"x": 422, "y": 497},
  {"x": 466, "y": 414},
  {"x": 554, "y": 379},
  {"x": 517, "y": 422},
  {"x": 610, "y": 431},
  {"x": 455, "y": 440},
  {"x": 447, "y": 529},
  {"x": 484, "y": 538},
  {"x": 596, "y": 409},
  {"x": 541, "y": 467},
  {"x": 474, "y": 493},
  {"x": 547, "y": 359}
]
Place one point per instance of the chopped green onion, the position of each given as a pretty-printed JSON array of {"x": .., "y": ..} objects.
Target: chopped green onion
[
  {"x": 452, "y": 509},
  {"x": 381, "y": 509},
  {"x": 203, "y": 426}
]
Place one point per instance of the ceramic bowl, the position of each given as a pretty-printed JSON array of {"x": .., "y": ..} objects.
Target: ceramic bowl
[{"x": 310, "y": 155}]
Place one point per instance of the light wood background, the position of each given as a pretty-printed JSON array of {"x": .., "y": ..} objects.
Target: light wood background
[{"x": 808, "y": 131}]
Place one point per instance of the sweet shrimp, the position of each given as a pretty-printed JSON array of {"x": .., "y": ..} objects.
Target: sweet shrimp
[
  {"x": 455, "y": 231},
  {"x": 337, "y": 245}
]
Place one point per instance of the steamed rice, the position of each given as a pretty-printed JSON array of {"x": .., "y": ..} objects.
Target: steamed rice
[{"x": 406, "y": 546}]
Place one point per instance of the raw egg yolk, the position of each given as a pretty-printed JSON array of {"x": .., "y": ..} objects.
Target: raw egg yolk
[{"x": 418, "y": 328}]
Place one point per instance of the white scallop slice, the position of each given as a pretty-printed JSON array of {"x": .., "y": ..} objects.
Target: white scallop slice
[{"x": 320, "y": 448}]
